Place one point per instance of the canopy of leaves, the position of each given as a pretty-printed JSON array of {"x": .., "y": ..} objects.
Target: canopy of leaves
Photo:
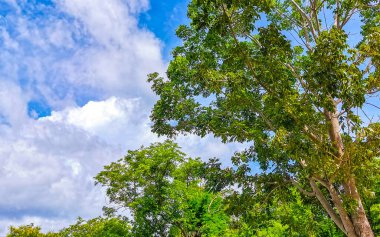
[
  {"x": 98, "y": 227},
  {"x": 164, "y": 192},
  {"x": 25, "y": 231},
  {"x": 289, "y": 76}
]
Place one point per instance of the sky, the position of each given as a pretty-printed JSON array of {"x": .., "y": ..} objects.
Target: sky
[{"x": 74, "y": 97}]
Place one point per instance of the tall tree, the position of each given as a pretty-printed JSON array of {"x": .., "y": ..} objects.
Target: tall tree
[
  {"x": 294, "y": 77},
  {"x": 163, "y": 191}
]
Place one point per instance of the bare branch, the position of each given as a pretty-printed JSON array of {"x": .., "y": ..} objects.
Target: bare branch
[
  {"x": 365, "y": 114},
  {"x": 373, "y": 105},
  {"x": 372, "y": 6},
  {"x": 371, "y": 92},
  {"x": 321, "y": 181},
  {"x": 337, "y": 101},
  {"x": 304, "y": 15},
  {"x": 298, "y": 186},
  {"x": 314, "y": 14},
  {"x": 307, "y": 38},
  {"x": 348, "y": 17},
  {"x": 336, "y": 18},
  {"x": 368, "y": 67},
  {"x": 344, "y": 217},
  {"x": 307, "y": 45},
  {"x": 253, "y": 39},
  {"x": 324, "y": 16},
  {"x": 326, "y": 205}
]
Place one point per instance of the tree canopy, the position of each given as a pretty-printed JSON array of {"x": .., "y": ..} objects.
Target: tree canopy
[
  {"x": 169, "y": 194},
  {"x": 295, "y": 78},
  {"x": 163, "y": 191},
  {"x": 97, "y": 227}
]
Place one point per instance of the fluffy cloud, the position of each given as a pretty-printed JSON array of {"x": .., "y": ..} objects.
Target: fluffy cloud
[
  {"x": 86, "y": 61},
  {"x": 12, "y": 105},
  {"x": 125, "y": 123},
  {"x": 124, "y": 54},
  {"x": 117, "y": 121},
  {"x": 63, "y": 54},
  {"x": 73, "y": 50},
  {"x": 47, "y": 169},
  {"x": 47, "y": 165}
]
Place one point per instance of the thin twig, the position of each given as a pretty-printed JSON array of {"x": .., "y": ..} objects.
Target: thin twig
[{"x": 304, "y": 15}]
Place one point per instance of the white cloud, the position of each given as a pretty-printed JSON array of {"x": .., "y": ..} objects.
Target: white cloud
[
  {"x": 122, "y": 55},
  {"x": 47, "y": 172},
  {"x": 125, "y": 122},
  {"x": 13, "y": 109},
  {"x": 48, "y": 165},
  {"x": 121, "y": 122},
  {"x": 80, "y": 48},
  {"x": 76, "y": 50},
  {"x": 48, "y": 224},
  {"x": 72, "y": 50}
]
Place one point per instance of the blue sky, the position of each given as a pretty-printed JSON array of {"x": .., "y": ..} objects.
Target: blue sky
[
  {"x": 74, "y": 97},
  {"x": 160, "y": 17},
  {"x": 163, "y": 18}
]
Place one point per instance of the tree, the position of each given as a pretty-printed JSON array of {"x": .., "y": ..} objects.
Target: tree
[
  {"x": 25, "y": 231},
  {"x": 97, "y": 227},
  {"x": 261, "y": 210},
  {"x": 163, "y": 191},
  {"x": 289, "y": 76}
]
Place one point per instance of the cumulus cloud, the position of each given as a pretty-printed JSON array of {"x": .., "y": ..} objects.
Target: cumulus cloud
[
  {"x": 76, "y": 49},
  {"x": 47, "y": 167},
  {"x": 121, "y": 122},
  {"x": 126, "y": 122},
  {"x": 66, "y": 53},
  {"x": 124, "y": 55},
  {"x": 87, "y": 60},
  {"x": 12, "y": 104}
]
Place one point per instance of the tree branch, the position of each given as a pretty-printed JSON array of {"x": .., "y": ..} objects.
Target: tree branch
[
  {"x": 348, "y": 17},
  {"x": 326, "y": 205},
  {"x": 321, "y": 181},
  {"x": 304, "y": 15},
  {"x": 336, "y": 18},
  {"x": 248, "y": 62},
  {"x": 347, "y": 223},
  {"x": 314, "y": 14},
  {"x": 372, "y": 105},
  {"x": 298, "y": 186}
]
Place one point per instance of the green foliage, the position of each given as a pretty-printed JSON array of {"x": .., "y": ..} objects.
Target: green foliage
[
  {"x": 290, "y": 79},
  {"x": 25, "y": 231},
  {"x": 375, "y": 214},
  {"x": 98, "y": 227},
  {"x": 373, "y": 199},
  {"x": 164, "y": 192},
  {"x": 260, "y": 210}
]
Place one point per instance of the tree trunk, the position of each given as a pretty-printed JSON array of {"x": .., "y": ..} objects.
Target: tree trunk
[
  {"x": 358, "y": 216},
  {"x": 326, "y": 205},
  {"x": 338, "y": 203}
]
